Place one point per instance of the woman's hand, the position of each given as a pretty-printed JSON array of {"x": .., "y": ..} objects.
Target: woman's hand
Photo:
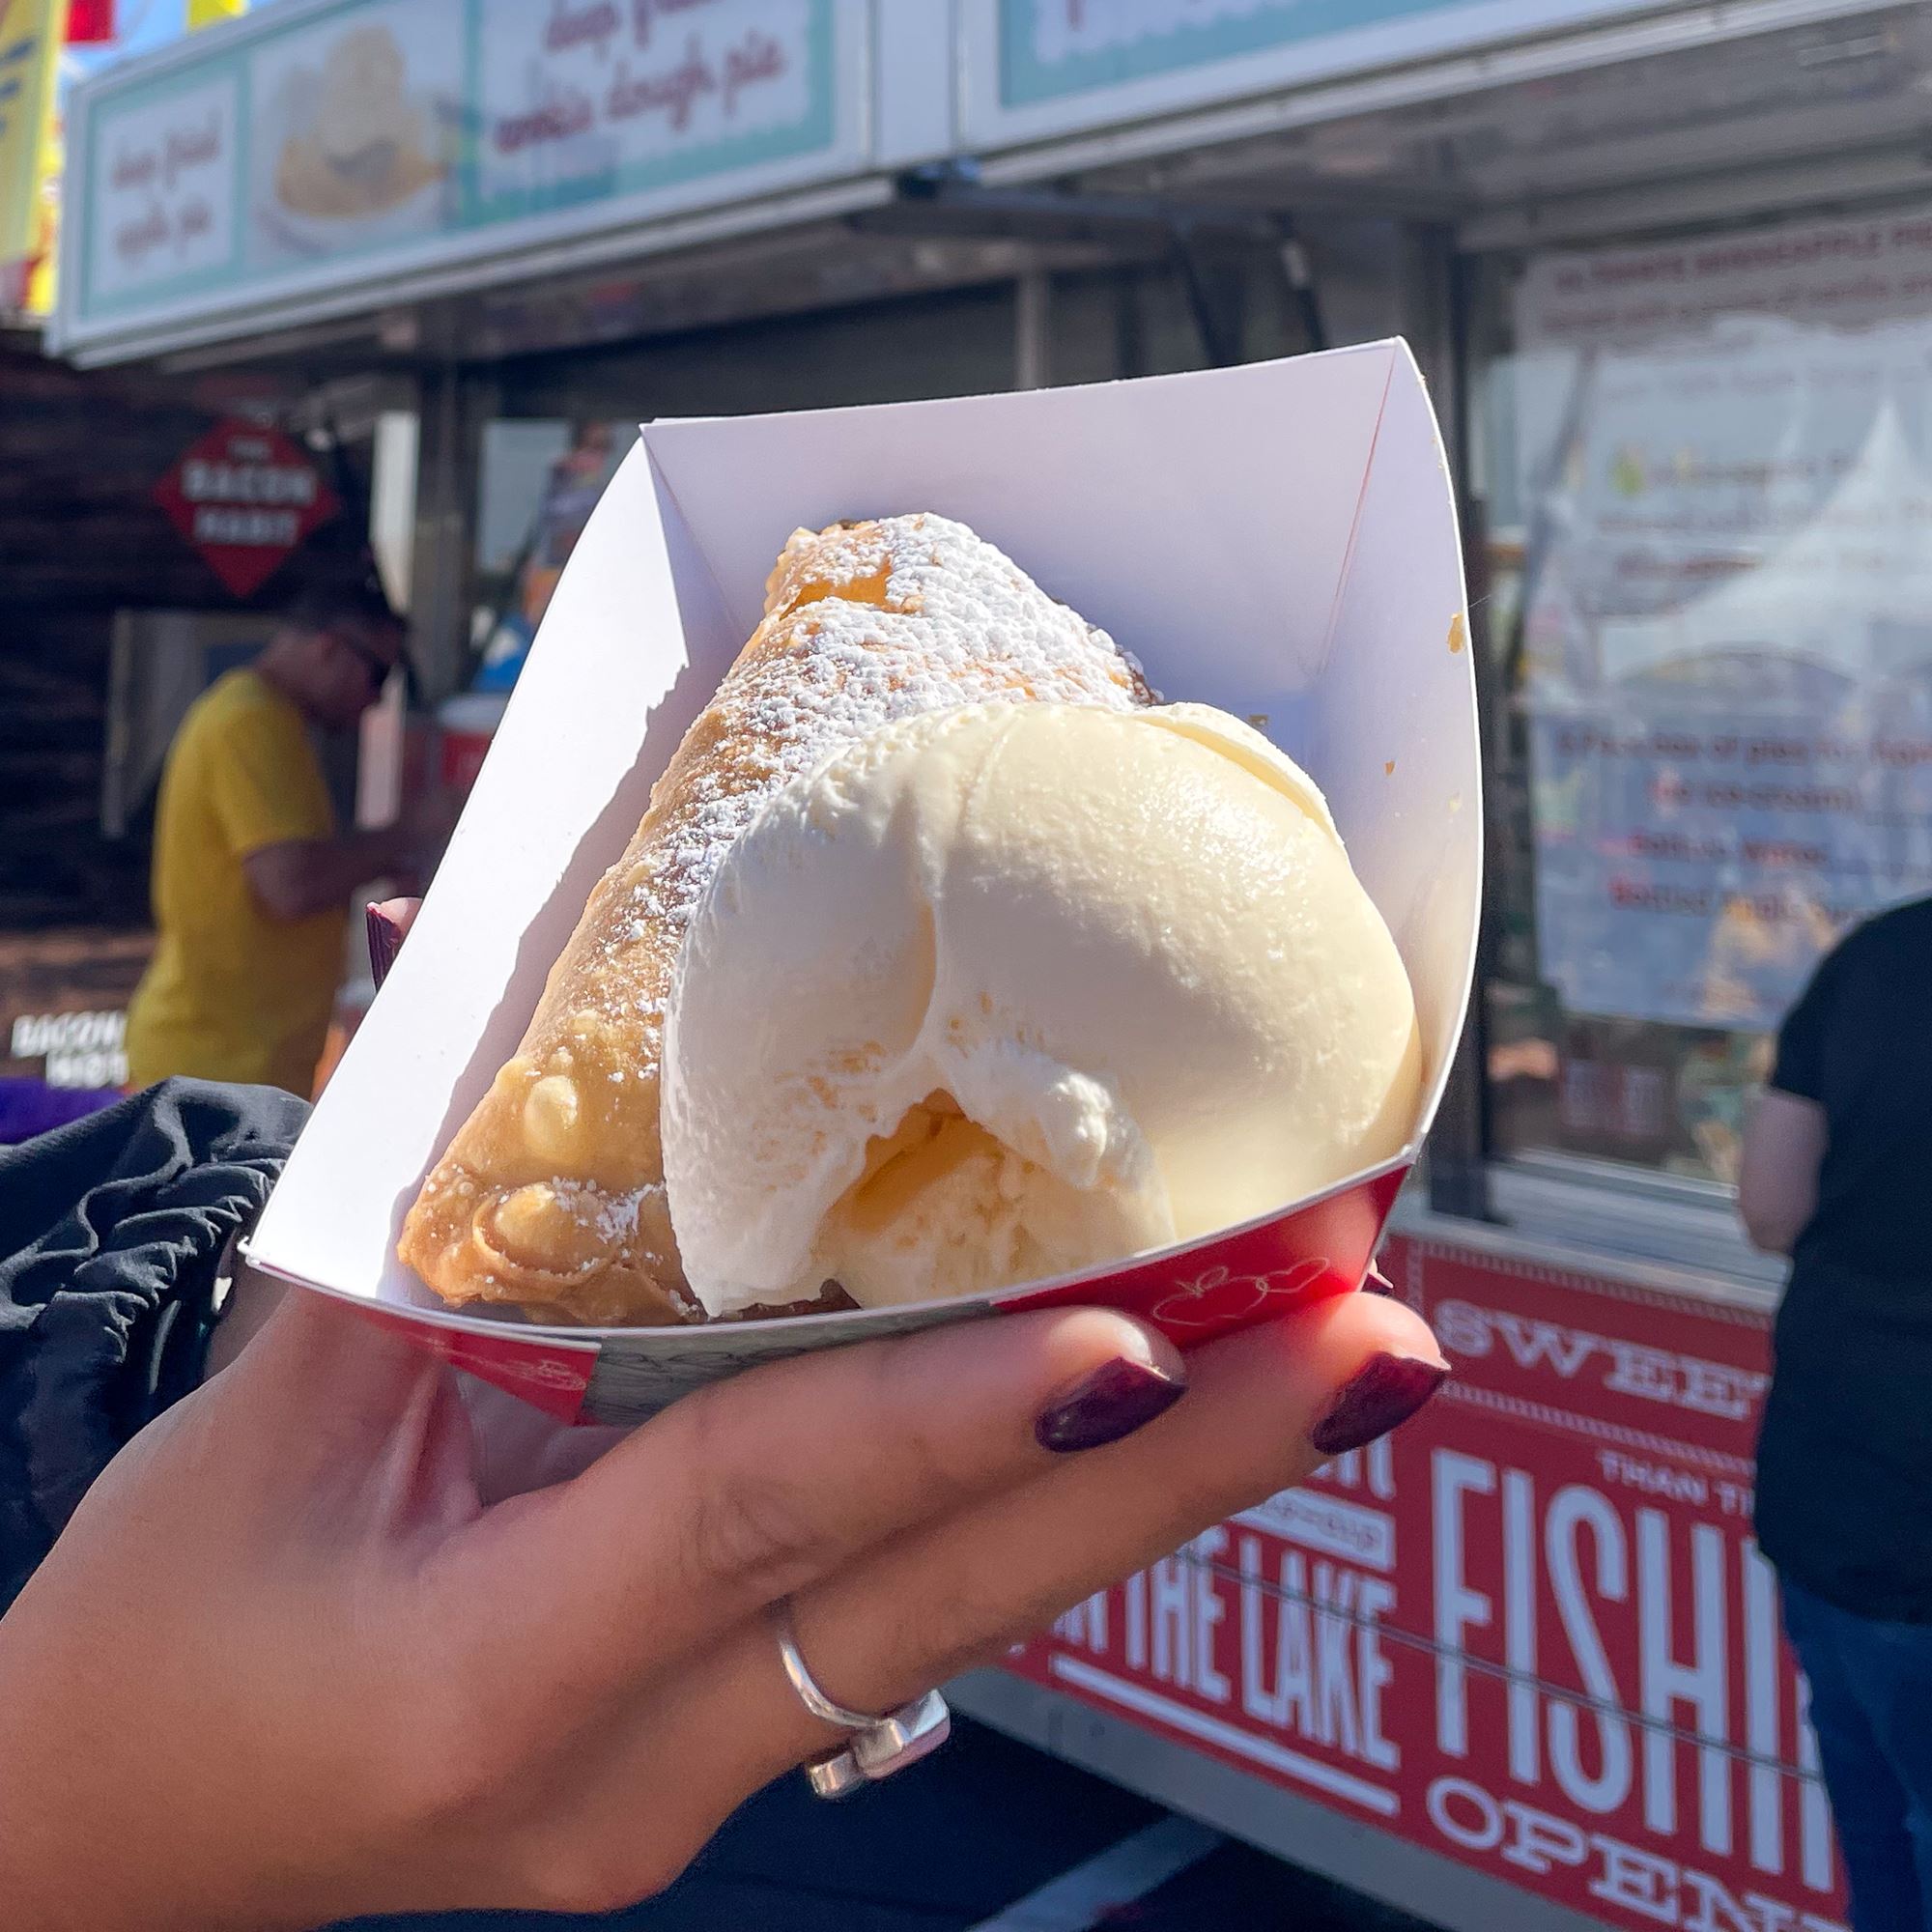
[{"x": 287, "y": 1664}]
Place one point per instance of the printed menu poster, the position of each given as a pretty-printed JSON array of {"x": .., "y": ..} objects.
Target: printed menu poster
[{"x": 1727, "y": 472}]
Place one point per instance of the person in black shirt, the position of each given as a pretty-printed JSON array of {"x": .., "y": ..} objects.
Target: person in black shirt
[{"x": 1837, "y": 1174}]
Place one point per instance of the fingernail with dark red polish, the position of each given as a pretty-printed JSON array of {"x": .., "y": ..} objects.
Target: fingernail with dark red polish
[
  {"x": 1112, "y": 1402},
  {"x": 1383, "y": 1395},
  {"x": 386, "y": 941}
]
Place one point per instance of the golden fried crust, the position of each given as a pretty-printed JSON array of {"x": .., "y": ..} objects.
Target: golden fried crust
[{"x": 552, "y": 1197}]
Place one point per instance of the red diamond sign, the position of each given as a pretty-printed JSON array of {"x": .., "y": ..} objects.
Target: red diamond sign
[{"x": 246, "y": 499}]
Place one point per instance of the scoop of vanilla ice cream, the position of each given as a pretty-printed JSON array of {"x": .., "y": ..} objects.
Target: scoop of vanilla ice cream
[{"x": 1004, "y": 992}]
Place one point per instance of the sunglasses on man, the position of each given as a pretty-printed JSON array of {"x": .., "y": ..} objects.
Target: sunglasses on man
[{"x": 374, "y": 666}]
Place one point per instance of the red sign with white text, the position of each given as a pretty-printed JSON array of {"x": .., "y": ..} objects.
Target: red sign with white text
[
  {"x": 246, "y": 498},
  {"x": 1532, "y": 1632}
]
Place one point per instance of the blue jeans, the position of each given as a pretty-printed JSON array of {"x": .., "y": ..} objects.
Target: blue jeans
[{"x": 1871, "y": 1707}]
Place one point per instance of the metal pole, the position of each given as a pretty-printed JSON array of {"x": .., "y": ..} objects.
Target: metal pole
[
  {"x": 1033, "y": 329},
  {"x": 1300, "y": 278},
  {"x": 1438, "y": 295},
  {"x": 451, "y": 411}
]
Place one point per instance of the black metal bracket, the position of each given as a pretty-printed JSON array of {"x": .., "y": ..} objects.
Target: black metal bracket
[{"x": 949, "y": 201}]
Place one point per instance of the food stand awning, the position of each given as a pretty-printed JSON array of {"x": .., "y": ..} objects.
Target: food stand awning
[{"x": 317, "y": 160}]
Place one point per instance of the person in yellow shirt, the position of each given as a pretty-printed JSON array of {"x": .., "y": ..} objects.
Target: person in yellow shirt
[{"x": 251, "y": 877}]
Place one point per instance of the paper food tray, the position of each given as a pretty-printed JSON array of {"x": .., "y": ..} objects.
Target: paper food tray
[{"x": 1277, "y": 539}]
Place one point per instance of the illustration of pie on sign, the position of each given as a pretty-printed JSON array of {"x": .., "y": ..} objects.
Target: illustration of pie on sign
[{"x": 364, "y": 149}]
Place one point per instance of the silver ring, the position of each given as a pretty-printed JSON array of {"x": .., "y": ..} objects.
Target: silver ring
[{"x": 879, "y": 1745}]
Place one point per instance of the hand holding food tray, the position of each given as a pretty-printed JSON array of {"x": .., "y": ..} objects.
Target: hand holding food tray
[{"x": 1275, "y": 545}]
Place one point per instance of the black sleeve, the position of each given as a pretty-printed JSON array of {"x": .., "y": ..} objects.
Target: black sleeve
[
  {"x": 111, "y": 1232},
  {"x": 1800, "y": 1067}
]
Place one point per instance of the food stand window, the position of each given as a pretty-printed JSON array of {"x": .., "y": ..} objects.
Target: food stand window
[
  {"x": 1706, "y": 471},
  {"x": 539, "y": 480}
]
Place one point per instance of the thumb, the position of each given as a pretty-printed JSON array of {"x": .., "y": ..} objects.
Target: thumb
[
  {"x": 388, "y": 925},
  {"x": 331, "y": 1380}
]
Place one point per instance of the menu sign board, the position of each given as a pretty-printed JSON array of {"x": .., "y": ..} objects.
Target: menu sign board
[
  {"x": 594, "y": 100},
  {"x": 1532, "y": 1632},
  {"x": 329, "y": 141},
  {"x": 162, "y": 207},
  {"x": 1039, "y": 66},
  {"x": 353, "y": 133}
]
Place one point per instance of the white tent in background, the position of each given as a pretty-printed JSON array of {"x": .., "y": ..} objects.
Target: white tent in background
[{"x": 1862, "y": 561}]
